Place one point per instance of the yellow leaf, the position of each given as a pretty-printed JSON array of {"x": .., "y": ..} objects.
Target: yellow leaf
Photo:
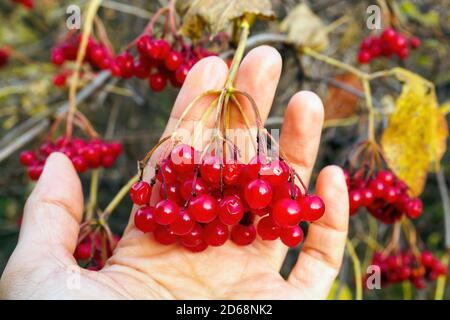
[
  {"x": 415, "y": 139},
  {"x": 215, "y": 16},
  {"x": 305, "y": 28}
]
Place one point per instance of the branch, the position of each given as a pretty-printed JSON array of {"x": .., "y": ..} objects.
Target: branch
[
  {"x": 18, "y": 142},
  {"x": 443, "y": 190}
]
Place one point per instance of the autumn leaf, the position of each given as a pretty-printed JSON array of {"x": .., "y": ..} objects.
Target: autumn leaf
[
  {"x": 215, "y": 16},
  {"x": 340, "y": 103},
  {"x": 415, "y": 139},
  {"x": 305, "y": 28}
]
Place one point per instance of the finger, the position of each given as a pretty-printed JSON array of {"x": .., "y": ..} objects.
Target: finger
[
  {"x": 299, "y": 142},
  {"x": 301, "y": 131},
  {"x": 208, "y": 74},
  {"x": 258, "y": 75},
  {"x": 53, "y": 211},
  {"x": 321, "y": 257}
]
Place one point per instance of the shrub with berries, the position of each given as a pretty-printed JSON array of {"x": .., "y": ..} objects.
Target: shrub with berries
[
  {"x": 390, "y": 42},
  {"x": 160, "y": 59},
  {"x": 378, "y": 190},
  {"x": 29, "y": 4},
  {"x": 416, "y": 267},
  {"x": 384, "y": 196}
]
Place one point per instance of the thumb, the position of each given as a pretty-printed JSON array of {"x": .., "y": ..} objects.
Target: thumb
[{"x": 53, "y": 211}]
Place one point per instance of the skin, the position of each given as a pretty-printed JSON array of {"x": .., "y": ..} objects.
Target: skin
[{"x": 141, "y": 268}]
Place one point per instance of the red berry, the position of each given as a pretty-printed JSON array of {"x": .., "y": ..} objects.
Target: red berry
[
  {"x": 313, "y": 207},
  {"x": 268, "y": 229},
  {"x": 211, "y": 170},
  {"x": 231, "y": 210},
  {"x": 59, "y": 80},
  {"x": 164, "y": 236},
  {"x": 140, "y": 193},
  {"x": 80, "y": 164},
  {"x": 355, "y": 200},
  {"x": 35, "y": 171},
  {"x": 364, "y": 56},
  {"x": 157, "y": 82},
  {"x": 291, "y": 236},
  {"x": 258, "y": 194},
  {"x": 275, "y": 172},
  {"x": 377, "y": 187},
  {"x": 166, "y": 212},
  {"x": 183, "y": 158},
  {"x": 193, "y": 238},
  {"x": 27, "y": 158},
  {"x": 144, "y": 219},
  {"x": 83, "y": 251},
  {"x": 231, "y": 172},
  {"x": 166, "y": 172},
  {"x": 172, "y": 193},
  {"x": 173, "y": 60},
  {"x": 287, "y": 190},
  {"x": 414, "y": 42},
  {"x": 389, "y": 35},
  {"x": 287, "y": 212},
  {"x": 367, "y": 197},
  {"x": 203, "y": 208},
  {"x": 215, "y": 233},
  {"x": 243, "y": 235},
  {"x": 183, "y": 223},
  {"x": 391, "y": 194},
  {"x": 414, "y": 208},
  {"x": 181, "y": 73},
  {"x": 186, "y": 188},
  {"x": 387, "y": 177}
]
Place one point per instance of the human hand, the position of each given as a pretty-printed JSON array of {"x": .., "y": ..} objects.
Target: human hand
[{"x": 142, "y": 268}]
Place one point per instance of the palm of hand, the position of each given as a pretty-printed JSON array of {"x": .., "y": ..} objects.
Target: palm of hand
[{"x": 42, "y": 264}]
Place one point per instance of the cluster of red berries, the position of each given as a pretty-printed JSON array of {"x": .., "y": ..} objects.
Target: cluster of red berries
[
  {"x": 388, "y": 43},
  {"x": 385, "y": 197},
  {"x": 407, "y": 266},
  {"x": 29, "y": 4},
  {"x": 159, "y": 62},
  {"x": 90, "y": 249},
  {"x": 204, "y": 203},
  {"x": 98, "y": 56},
  {"x": 4, "y": 57},
  {"x": 84, "y": 154}
]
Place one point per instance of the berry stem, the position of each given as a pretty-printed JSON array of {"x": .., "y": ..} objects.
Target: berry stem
[
  {"x": 356, "y": 269},
  {"x": 370, "y": 109},
  {"x": 87, "y": 29},
  {"x": 442, "y": 280},
  {"x": 93, "y": 191},
  {"x": 238, "y": 55},
  {"x": 118, "y": 197}
]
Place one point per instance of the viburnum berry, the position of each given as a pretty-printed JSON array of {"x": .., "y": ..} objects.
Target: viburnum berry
[
  {"x": 388, "y": 43},
  {"x": 193, "y": 238},
  {"x": 291, "y": 235},
  {"x": 182, "y": 158},
  {"x": 384, "y": 195},
  {"x": 215, "y": 233},
  {"x": 243, "y": 235},
  {"x": 231, "y": 210},
  {"x": 189, "y": 188},
  {"x": 163, "y": 235},
  {"x": 287, "y": 212},
  {"x": 140, "y": 192},
  {"x": 203, "y": 208},
  {"x": 84, "y": 154},
  {"x": 144, "y": 219},
  {"x": 268, "y": 229},
  {"x": 183, "y": 224},
  {"x": 258, "y": 194},
  {"x": 166, "y": 212},
  {"x": 312, "y": 207}
]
